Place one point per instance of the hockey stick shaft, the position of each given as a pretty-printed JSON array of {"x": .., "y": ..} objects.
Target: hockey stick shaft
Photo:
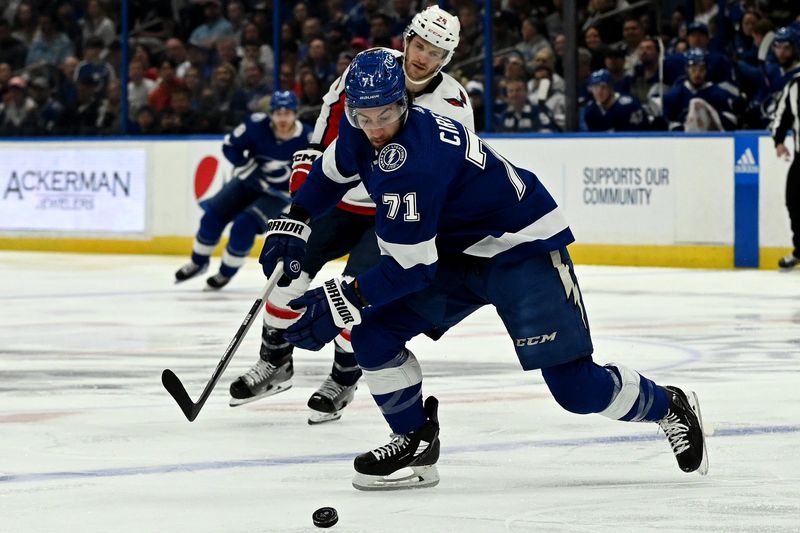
[{"x": 173, "y": 384}]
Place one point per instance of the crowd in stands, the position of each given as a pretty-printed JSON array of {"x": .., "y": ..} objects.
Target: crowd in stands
[{"x": 200, "y": 66}]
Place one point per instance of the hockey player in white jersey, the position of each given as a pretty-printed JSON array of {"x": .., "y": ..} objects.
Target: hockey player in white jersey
[{"x": 429, "y": 43}]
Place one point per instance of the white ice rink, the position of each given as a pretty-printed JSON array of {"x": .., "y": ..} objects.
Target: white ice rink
[{"x": 91, "y": 442}]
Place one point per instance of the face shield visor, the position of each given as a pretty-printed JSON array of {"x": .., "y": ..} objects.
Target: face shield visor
[{"x": 372, "y": 118}]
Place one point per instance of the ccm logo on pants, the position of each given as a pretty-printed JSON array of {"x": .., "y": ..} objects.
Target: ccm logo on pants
[{"x": 539, "y": 339}]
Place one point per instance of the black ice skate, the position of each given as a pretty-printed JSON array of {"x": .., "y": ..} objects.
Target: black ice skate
[
  {"x": 788, "y": 262},
  {"x": 189, "y": 271},
  {"x": 328, "y": 402},
  {"x": 264, "y": 379},
  {"x": 417, "y": 451},
  {"x": 216, "y": 282},
  {"x": 683, "y": 426}
]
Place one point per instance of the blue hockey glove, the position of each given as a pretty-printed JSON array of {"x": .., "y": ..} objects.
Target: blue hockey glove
[
  {"x": 286, "y": 239},
  {"x": 329, "y": 309}
]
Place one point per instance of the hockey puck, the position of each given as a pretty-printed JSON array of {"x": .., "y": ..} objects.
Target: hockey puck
[{"x": 325, "y": 517}]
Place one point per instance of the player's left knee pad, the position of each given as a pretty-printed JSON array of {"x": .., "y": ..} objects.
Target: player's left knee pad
[
  {"x": 277, "y": 313},
  {"x": 398, "y": 373}
]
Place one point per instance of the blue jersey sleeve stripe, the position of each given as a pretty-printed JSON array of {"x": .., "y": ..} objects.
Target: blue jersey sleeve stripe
[
  {"x": 410, "y": 255},
  {"x": 544, "y": 228},
  {"x": 329, "y": 166}
]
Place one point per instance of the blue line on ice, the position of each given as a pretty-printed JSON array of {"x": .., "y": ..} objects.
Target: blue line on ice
[{"x": 331, "y": 458}]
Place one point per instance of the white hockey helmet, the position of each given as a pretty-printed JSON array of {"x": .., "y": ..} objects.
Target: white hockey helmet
[{"x": 436, "y": 26}]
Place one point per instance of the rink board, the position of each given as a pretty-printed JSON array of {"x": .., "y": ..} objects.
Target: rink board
[{"x": 710, "y": 201}]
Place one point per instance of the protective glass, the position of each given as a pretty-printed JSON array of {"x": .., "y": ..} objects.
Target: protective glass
[{"x": 371, "y": 118}]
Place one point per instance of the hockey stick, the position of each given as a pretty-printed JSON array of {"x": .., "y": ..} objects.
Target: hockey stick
[{"x": 174, "y": 385}]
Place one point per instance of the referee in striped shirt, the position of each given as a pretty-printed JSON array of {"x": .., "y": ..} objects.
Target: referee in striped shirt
[{"x": 787, "y": 116}]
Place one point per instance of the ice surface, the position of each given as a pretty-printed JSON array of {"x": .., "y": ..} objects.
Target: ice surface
[{"x": 91, "y": 442}]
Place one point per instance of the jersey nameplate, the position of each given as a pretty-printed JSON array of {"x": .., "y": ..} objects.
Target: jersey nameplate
[{"x": 392, "y": 157}]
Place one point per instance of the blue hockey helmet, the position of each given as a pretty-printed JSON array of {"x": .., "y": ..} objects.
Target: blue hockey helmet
[
  {"x": 375, "y": 79},
  {"x": 788, "y": 35},
  {"x": 601, "y": 76},
  {"x": 695, "y": 56},
  {"x": 283, "y": 100}
]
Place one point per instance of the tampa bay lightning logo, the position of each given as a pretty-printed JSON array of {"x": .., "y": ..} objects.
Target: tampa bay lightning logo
[{"x": 392, "y": 157}]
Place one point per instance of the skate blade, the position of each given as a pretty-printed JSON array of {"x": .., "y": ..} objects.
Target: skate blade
[
  {"x": 318, "y": 417},
  {"x": 420, "y": 478},
  {"x": 283, "y": 387},
  {"x": 198, "y": 273},
  {"x": 694, "y": 403}
]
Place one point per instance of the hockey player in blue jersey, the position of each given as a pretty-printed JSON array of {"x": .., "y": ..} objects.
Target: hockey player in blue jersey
[
  {"x": 609, "y": 110},
  {"x": 459, "y": 227},
  {"x": 261, "y": 149},
  {"x": 696, "y": 104}
]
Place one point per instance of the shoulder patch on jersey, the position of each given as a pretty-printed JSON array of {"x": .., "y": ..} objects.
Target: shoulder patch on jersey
[
  {"x": 392, "y": 157},
  {"x": 461, "y": 101},
  {"x": 625, "y": 100},
  {"x": 239, "y": 130},
  {"x": 258, "y": 117}
]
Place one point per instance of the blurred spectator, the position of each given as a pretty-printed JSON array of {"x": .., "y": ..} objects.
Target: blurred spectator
[
  {"x": 546, "y": 58},
  {"x": 697, "y": 104},
  {"x": 146, "y": 122},
  {"x": 594, "y": 43},
  {"x": 254, "y": 49},
  {"x": 198, "y": 58},
  {"x": 49, "y": 46},
  {"x": 359, "y": 16},
  {"x": 381, "y": 32},
  {"x": 17, "y": 110},
  {"x": 288, "y": 81},
  {"x": 745, "y": 46},
  {"x": 719, "y": 67},
  {"x": 237, "y": 17},
  {"x": 610, "y": 26},
  {"x": 549, "y": 100},
  {"x": 471, "y": 31},
  {"x": 519, "y": 114},
  {"x": 226, "y": 52},
  {"x": 25, "y": 26},
  {"x": 83, "y": 116},
  {"x": 646, "y": 84},
  {"x": 312, "y": 29},
  {"x": 108, "y": 112},
  {"x": 560, "y": 48},
  {"x": 532, "y": 41},
  {"x": 475, "y": 92},
  {"x": 223, "y": 85},
  {"x": 49, "y": 115},
  {"x": 310, "y": 97},
  {"x": 402, "y": 13},
  {"x": 319, "y": 63},
  {"x": 213, "y": 28},
  {"x": 610, "y": 111},
  {"x": 505, "y": 26},
  {"x": 343, "y": 62},
  {"x": 705, "y": 10},
  {"x": 139, "y": 88},
  {"x": 252, "y": 90},
  {"x": 67, "y": 22},
  {"x": 92, "y": 65},
  {"x": 180, "y": 118},
  {"x": 67, "y": 90},
  {"x": 554, "y": 22},
  {"x": 359, "y": 44},
  {"x": 193, "y": 81},
  {"x": 632, "y": 35},
  {"x": 160, "y": 97},
  {"x": 299, "y": 17},
  {"x": 12, "y": 50},
  {"x": 176, "y": 52},
  {"x": 615, "y": 65},
  {"x": 96, "y": 24},
  {"x": 142, "y": 55},
  {"x": 5, "y": 76}
]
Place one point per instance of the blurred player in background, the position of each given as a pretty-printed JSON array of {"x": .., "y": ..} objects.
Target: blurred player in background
[
  {"x": 459, "y": 227},
  {"x": 260, "y": 149},
  {"x": 429, "y": 42}
]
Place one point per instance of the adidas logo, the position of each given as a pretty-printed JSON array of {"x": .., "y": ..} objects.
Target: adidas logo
[{"x": 746, "y": 163}]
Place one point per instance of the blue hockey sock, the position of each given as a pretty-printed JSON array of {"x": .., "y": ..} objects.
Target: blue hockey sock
[
  {"x": 345, "y": 368},
  {"x": 403, "y": 409},
  {"x": 650, "y": 404}
]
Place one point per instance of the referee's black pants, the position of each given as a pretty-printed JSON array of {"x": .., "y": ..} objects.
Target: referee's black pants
[{"x": 793, "y": 201}]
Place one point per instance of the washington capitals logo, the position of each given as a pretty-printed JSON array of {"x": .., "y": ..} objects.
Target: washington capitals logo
[
  {"x": 392, "y": 157},
  {"x": 461, "y": 101}
]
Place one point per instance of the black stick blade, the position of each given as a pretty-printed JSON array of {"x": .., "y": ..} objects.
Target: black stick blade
[{"x": 178, "y": 392}]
